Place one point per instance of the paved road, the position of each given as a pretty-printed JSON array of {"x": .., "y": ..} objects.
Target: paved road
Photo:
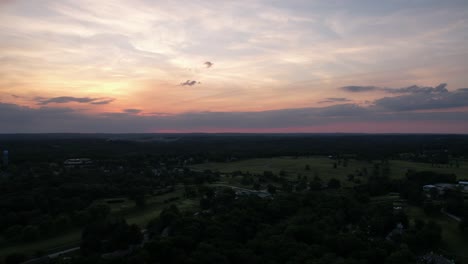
[
  {"x": 454, "y": 217},
  {"x": 45, "y": 259}
]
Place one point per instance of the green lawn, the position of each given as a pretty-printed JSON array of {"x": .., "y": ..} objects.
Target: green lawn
[
  {"x": 322, "y": 167},
  {"x": 319, "y": 166},
  {"x": 142, "y": 218}
]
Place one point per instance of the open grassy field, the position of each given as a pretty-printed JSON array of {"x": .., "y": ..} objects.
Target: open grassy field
[
  {"x": 142, "y": 218},
  {"x": 322, "y": 167},
  {"x": 456, "y": 243},
  {"x": 399, "y": 167},
  {"x": 319, "y": 166}
]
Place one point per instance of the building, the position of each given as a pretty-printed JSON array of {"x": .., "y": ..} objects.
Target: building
[
  {"x": 441, "y": 188},
  {"x": 246, "y": 192},
  {"x": 427, "y": 188},
  {"x": 77, "y": 163},
  {"x": 463, "y": 185}
]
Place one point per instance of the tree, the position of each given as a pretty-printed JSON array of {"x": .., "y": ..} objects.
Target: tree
[
  {"x": 15, "y": 258},
  {"x": 430, "y": 208},
  {"x": 140, "y": 200},
  {"x": 271, "y": 188},
  {"x": 190, "y": 191},
  {"x": 108, "y": 236},
  {"x": 401, "y": 256},
  {"x": 30, "y": 233},
  {"x": 464, "y": 226},
  {"x": 334, "y": 183},
  {"x": 99, "y": 211},
  {"x": 256, "y": 186}
]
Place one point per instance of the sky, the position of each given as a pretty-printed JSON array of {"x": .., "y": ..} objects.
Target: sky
[{"x": 312, "y": 66}]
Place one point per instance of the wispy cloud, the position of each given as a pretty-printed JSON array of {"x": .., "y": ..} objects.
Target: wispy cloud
[
  {"x": 359, "y": 89},
  {"x": 132, "y": 111},
  {"x": 71, "y": 99},
  {"x": 189, "y": 83},
  {"x": 414, "y": 89},
  {"x": 334, "y": 100}
]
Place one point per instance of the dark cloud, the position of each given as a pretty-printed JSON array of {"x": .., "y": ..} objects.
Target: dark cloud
[
  {"x": 208, "y": 64},
  {"x": 414, "y": 89},
  {"x": 189, "y": 83},
  {"x": 418, "y": 89},
  {"x": 438, "y": 98},
  {"x": 18, "y": 119},
  {"x": 69, "y": 99},
  {"x": 416, "y": 97},
  {"x": 132, "y": 111},
  {"x": 358, "y": 89},
  {"x": 335, "y": 100}
]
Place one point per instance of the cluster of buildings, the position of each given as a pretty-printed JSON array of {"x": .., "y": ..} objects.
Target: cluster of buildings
[{"x": 442, "y": 188}]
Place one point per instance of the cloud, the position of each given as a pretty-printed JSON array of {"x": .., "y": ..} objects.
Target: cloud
[
  {"x": 416, "y": 97},
  {"x": 101, "y": 101},
  {"x": 358, "y": 89},
  {"x": 208, "y": 64},
  {"x": 338, "y": 118},
  {"x": 424, "y": 99},
  {"x": 189, "y": 83},
  {"x": 414, "y": 89},
  {"x": 71, "y": 99},
  {"x": 132, "y": 111},
  {"x": 334, "y": 100}
]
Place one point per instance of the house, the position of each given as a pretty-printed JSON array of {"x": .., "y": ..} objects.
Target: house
[
  {"x": 261, "y": 194},
  {"x": 77, "y": 163},
  {"x": 463, "y": 185},
  {"x": 427, "y": 188}
]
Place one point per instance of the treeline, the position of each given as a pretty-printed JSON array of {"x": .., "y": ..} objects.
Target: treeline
[{"x": 222, "y": 147}]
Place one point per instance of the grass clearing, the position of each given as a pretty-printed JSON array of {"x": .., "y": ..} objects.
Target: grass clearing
[
  {"x": 322, "y": 167},
  {"x": 319, "y": 166}
]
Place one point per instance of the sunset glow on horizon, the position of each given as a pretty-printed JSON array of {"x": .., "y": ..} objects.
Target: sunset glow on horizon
[{"x": 233, "y": 66}]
